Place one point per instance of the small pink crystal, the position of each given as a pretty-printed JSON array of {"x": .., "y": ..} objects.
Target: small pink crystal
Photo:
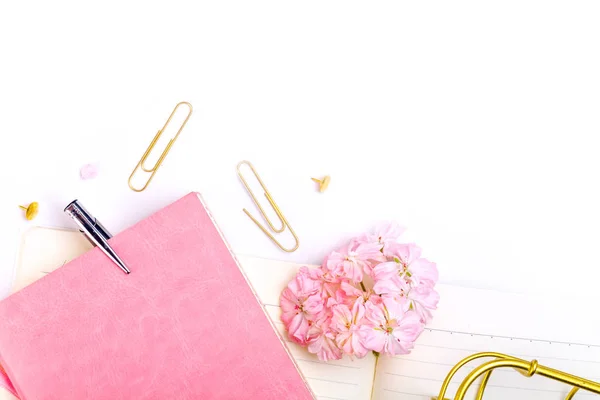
[{"x": 88, "y": 171}]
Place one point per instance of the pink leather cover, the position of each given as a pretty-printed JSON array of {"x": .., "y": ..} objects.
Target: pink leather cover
[{"x": 184, "y": 325}]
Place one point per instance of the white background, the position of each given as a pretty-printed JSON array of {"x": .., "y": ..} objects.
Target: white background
[{"x": 474, "y": 124}]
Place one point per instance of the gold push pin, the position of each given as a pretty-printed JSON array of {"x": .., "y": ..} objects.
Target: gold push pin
[
  {"x": 323, "y": 183},
  {"x": 31, "y": 211}
]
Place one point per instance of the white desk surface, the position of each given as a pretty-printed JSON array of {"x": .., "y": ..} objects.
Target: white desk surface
[{"x": 475, "y": 125}]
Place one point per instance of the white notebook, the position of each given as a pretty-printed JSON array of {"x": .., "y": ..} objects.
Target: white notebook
[{"x": 560, "y": 332}]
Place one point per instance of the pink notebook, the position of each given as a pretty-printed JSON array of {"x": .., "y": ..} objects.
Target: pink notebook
[{"x": 184, "y": 325}]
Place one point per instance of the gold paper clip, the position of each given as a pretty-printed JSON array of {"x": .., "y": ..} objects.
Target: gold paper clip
[
  {"x": 141, "y": 164},
  {"x": 284, "y": 222}
]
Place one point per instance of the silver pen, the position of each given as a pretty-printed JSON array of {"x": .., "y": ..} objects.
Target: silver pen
[{"x": 94, "y": 231}]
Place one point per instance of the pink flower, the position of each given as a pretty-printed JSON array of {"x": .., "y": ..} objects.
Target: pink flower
[
  {"x": 351, "y": 261},
  {"x": 301, "y": 304},
  {"x": 352, "y": 295},
  {"x": 423, "y": 299},
  {"x": 331, "y": 281},
  {"x": 412, "y": 267},
  {"x": 374, "y": 294},
  {"x": 348, "y": 294},
  {"x": 387, "y": 279},
  {"x": 390, "y": 285},
  {"x": 392, "y": 330},
  {"x": 400, "y": 297},
  {"x": 351, "y": 330},
  {"x": 384, "y": 234},
  {"x": 423, "y": 272},
  {"x": 322, "y": 341}
]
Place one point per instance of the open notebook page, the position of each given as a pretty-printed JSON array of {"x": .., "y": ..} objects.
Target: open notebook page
[
  {"x": 43, "y": 250},
  {"x": 559, "y": 332}
]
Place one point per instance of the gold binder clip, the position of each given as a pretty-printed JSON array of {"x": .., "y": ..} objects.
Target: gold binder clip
[
  {"x": 141, "y": 164},
  {"x": 284, "y": 222}
]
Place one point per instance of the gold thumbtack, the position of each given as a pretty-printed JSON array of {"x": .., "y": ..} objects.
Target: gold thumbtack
[
  {"x": 31, "y": 211},
  {"x": 323, "y": 183}
]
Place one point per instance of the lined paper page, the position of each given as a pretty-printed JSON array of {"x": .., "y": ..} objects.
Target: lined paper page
[
  {"x": 420, "y": 374},
  {"x": 43, "y": 250},
  {"x": 471, "y": 321},
  {"x": 336, "y": 380}
]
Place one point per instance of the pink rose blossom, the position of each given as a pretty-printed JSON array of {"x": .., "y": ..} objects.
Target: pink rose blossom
[
  {"x": 392, "y": 330},
  {"x": 322, "y": 341},
  {"x": 301, "y": 305},
  {"x": 353, "y": 260}
]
